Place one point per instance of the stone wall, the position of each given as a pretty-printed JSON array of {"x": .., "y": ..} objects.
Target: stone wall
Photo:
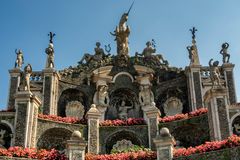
[
  {"x": 223, "y": 154},
  {"x": 190, "y": 132}
]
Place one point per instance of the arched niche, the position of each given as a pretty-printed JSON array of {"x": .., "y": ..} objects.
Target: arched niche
[
  {"x": 5, "y": 135},
  {"x": 70, "y": 97},
  {"x": 54, "y": 138},
  {"x": 175, "y": 97},
  {"x": 123, "y": 104},
  {"x": 236, "y": 125},
  {"x": 119, "y": 136}
]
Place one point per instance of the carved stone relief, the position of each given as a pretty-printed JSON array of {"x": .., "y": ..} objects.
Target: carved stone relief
[
  {"x": 173, "y": 106},
  {"x": 75, "y": 109}
]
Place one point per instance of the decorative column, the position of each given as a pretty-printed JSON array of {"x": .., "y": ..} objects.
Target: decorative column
[
  {"x": 193, "y": 74},
  {"x": 164, "y": 144},
  {"x": 76, "y": 146},
  {"x": 50, "y": 91},
  {"x": 13, "y": 87},
  {"x": 26, "y": 119},
  {"x": 218, "y": 115},
  {"x": 229, "y": 78},
  {"x": 93, "y": 116},
  {"x": 152, "y": 115}
]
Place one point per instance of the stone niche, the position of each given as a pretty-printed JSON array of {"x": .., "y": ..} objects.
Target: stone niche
[
  {"x": 173, "y": 106},
  {"x": 74, "y": 109},
  {"x": 236, "y": 126}
]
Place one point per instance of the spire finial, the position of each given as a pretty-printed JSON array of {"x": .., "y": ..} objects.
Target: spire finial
[
  {"x": 193, "y": 31},
  {"x": 51, "y": 35}
]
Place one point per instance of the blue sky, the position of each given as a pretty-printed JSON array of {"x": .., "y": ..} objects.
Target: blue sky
[{"x": 78, "y": 24}]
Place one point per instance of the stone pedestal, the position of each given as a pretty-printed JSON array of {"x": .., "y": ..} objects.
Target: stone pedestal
[
  {"x": 193, "y": 73},
  {"x": 229, "y": 78},
  {"x": 13, "y": 87},
  {"x": 50, "y": 91},
  {"x": 218, "y": 115},
  {"x": 93, "y": 116},
  {"x": 164, "y": 144},
  {"x": 152, "y": 115},
  {"x": 76, "y": 147},
  {"x": 26, "y": 119}
]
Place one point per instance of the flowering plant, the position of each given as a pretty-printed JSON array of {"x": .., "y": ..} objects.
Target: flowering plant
[
  {"x": 119, "y": 122},
  {"x": 183, "y": 116},
  {"x": 143, "y": 155},
  {"x": 134, "y": 148},
  {"x": 32, "y": 153},
  {"x": 232, "y": 141},
  {"x": 73, "y": 120}
]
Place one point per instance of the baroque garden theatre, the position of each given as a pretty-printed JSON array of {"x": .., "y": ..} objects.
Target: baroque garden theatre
[{"x": 105, "y": 86}]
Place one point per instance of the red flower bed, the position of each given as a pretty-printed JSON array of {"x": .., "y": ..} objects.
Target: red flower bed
[
  {"x": 183, "y": 116},
  {"x": 73, "y": 120},
  {"x": 143, "y": 155},
  {"x": 119, "y": 122},
  {"x": 232, "y": 141},
  {"x": 32, "y": 153}
]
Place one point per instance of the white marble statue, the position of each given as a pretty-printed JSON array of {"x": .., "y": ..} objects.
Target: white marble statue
[{"x": 146, "y": 96}]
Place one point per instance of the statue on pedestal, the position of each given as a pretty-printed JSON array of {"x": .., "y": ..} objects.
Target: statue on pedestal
[
  {"x": 20, "y": 60},
  {"x": 50, "y": 52},
  {"x": 146, "y": 96},
  {"x": 224, "y": 52},
  {"x": 214, "y": 73},
  {"x": 101, "y": 96},
  {"x": 149, "y": 56},
  {"x": 121, "y": 34},
  {"x": 98, "y": 57},
  {"x": 192, "y": 50},
  {"x": 50, "y": 58},
  {"x": 25, "y": 78}
]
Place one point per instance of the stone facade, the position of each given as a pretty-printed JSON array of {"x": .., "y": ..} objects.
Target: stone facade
[{"x": 141, "y": 86}]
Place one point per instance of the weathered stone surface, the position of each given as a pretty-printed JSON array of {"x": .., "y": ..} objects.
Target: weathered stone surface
[
  {"x": 21, "y": 125},
  {"x": 231, "y": 88},
  {"x": 197, "y": 89},
  {"x": 223, "y": 118}
]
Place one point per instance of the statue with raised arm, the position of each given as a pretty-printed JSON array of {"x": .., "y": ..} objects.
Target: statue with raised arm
[
  {"x": 19, "y": 60},
  {"x": 121, "y": 34},
  {"x": 97, "y": 57},
  {"x": 50, "y": 56},
  {"x": 25, "y": 78},
  {"x": 214, "y": 73},
  {"x": 123, "y": 110},
  {"x": 224, "y": 52},
  {"x": 149, "y": 56}
]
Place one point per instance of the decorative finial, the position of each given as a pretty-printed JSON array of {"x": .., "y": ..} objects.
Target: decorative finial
[
  {"x": 51, "y": 35},
  {"x": 193, "y": 31}
]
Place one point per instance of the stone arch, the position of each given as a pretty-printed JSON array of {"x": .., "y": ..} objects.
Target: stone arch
[
  {"x": 123, "y": 74},
  {"x": 70, "y": 95},
  {"x": 54, "y": 138},
  {"x": 6, "y": 132},
  {"x": 120, "y": 135},
  {"x": 131, "y": 100}
]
